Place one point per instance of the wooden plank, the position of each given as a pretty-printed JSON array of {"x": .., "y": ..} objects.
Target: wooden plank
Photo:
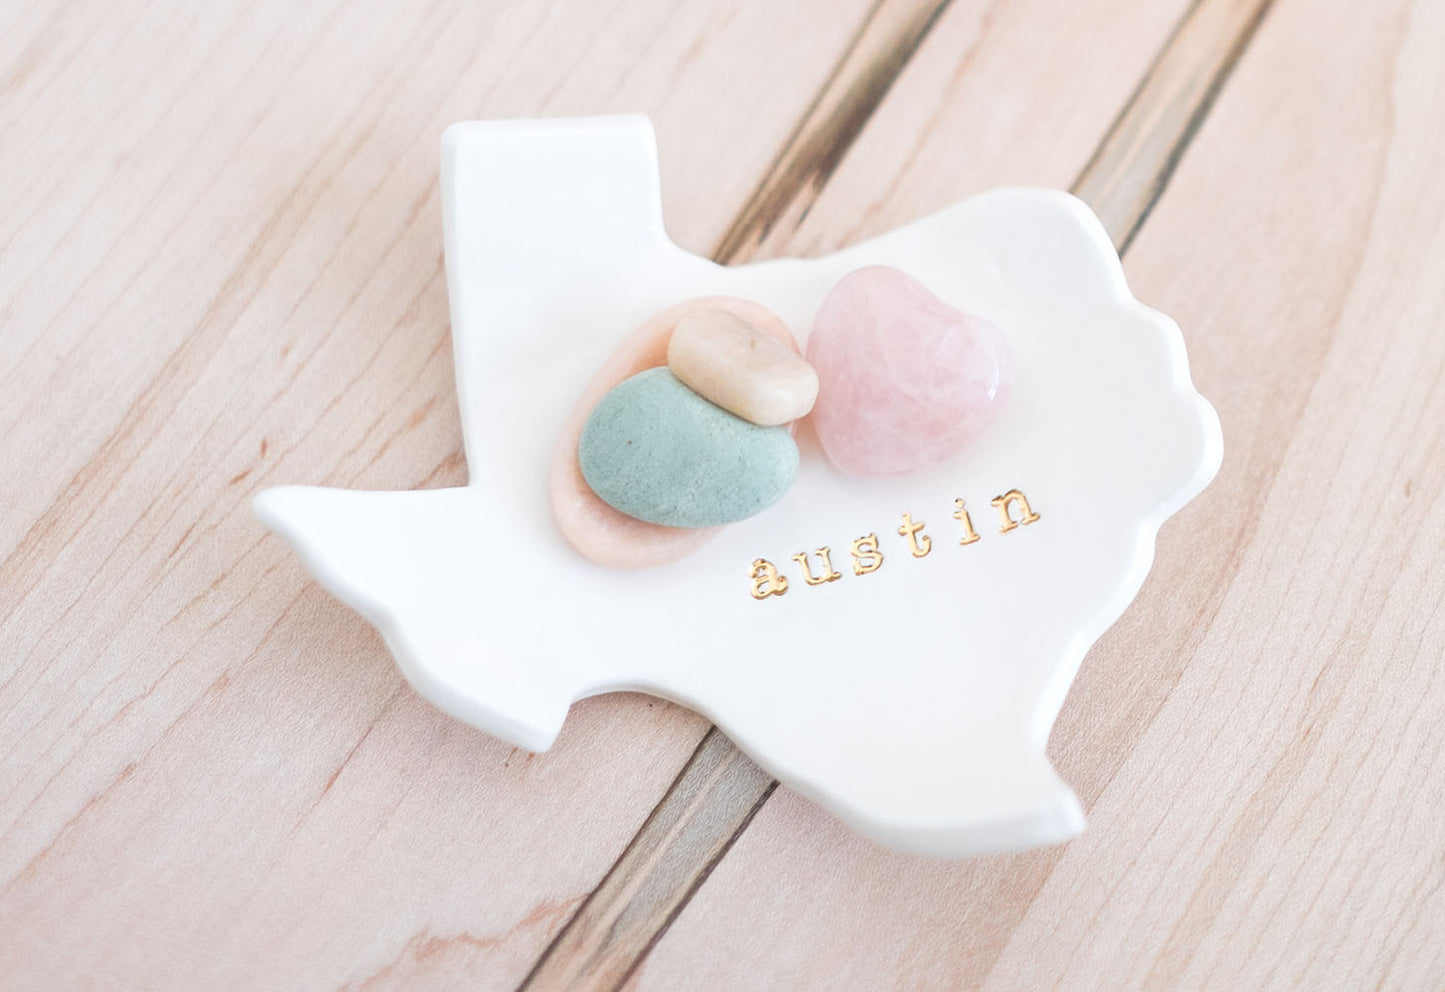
[
  {"x": 1257, "y": 740},
  {"x": 220, "y": 269},
  {"x": 1156, "y": 127},
  {"x": 884, "y": 45},
  {"x": 603, "y": 942},
  {"x": 709, "y": 804}
]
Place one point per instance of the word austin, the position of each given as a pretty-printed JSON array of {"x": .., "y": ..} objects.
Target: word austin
[{"x": 1013, "y": 511}]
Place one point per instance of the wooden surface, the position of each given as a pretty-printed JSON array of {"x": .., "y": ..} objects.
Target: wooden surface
[{"x": 220, "y": 269}]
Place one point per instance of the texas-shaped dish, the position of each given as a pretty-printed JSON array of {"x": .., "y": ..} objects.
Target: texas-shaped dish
[{"x": 914, "y": 699}]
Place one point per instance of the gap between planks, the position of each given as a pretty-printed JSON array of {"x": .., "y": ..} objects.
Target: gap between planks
[{"x": 719, "y": 790}]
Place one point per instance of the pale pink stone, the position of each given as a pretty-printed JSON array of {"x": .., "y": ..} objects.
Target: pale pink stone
[
  {"x": 607, "y": 536},
  {"x": 906, "y": 379}
]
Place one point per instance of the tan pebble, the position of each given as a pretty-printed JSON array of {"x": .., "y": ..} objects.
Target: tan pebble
[{"x": 735, "y": 364}]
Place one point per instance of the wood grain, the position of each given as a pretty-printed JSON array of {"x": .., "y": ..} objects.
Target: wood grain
[
  {"x": 710, "y": 803},
  {"x": 1137, "y": 157},
  {"x": 1257, "y": 740},
  {"x": 885, "y": 43}
]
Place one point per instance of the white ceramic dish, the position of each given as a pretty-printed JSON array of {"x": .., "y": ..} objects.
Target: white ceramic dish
[{"x": 914, "y": 702}]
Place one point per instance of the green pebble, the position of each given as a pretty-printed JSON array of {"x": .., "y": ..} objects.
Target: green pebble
[{"x": 659, "y": 452}]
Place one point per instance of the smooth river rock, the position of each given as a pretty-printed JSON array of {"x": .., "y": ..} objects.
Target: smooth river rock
[
  {"x": 601, "y": 534},
  {"x": 733, "y": 363},
  {"x": 657, "y": 451},
  {"x": 906, "y": 380}
]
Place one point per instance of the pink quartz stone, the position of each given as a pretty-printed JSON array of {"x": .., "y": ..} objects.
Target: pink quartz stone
[{"x": 905, "y": 379}]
